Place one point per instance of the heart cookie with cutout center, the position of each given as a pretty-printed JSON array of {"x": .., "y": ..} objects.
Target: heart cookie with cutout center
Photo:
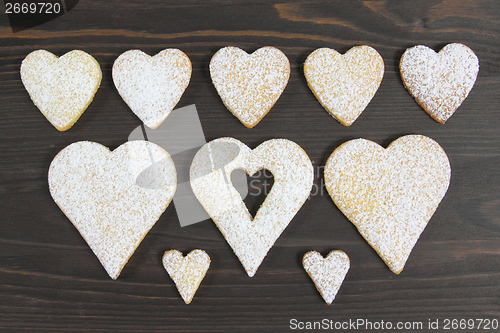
[
  {"x": 186, "y": 272},
  {"x": 251, "y": 238},
  {"x": 344, "y": 84},
  {"x": 61, "y": 88},
  {"x": 439, "y": 82},
  {"x": 152, "y": 86},
  {"x": 327, "y": 273},
  {"x": 112, "y": 198},
  {"x": 249, "y": 84},
  {"x": 389, "y": 194}
]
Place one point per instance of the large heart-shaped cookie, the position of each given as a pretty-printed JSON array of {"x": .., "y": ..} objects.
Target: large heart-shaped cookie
[
  {"x": 62, "y": 88},
  {"x": 439, "y": 82},
  {"x": 389, "y": 194},
  {"x": 251, "y": 238},
  {"x": 112, "y": 198},
  {"x": 249, "y": 84},
  {"x": 344, "y": 84},
  {"x": 186, "y": 272},
  {"x": 152, "y": 86},
  {"x": 327, "y": 273}
]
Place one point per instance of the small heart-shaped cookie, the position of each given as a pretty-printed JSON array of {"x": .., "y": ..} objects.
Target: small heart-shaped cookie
[
  {"x": 389, "y": 194},
  {"x": 327, "y": 273},
  {"x": 210, "y": 177},
  {"x": 249, "y": 84},
  {"x": 186, "y": 272},
  {"x": 439, "y": 82},
  {"x": 112, "y": 198},
  {"x": 61, "y": 88},
  {"x": 152, "y": 86},
  {"x": 344, "y": 84}
]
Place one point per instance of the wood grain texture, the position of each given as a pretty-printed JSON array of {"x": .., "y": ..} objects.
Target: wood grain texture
[{"x": 49, "y": 279}]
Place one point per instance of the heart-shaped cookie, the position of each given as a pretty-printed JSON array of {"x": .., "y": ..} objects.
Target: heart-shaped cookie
[
  {"x": 210, "y": 177},
  {"x": 112, "y": 198},
  {"x": 439, "y": 82},
  {"x": 249, "y": 84},
  {"x": 389, "y": 194},
  {"x": 344, "y": 84},
  {"x": 61, "y": 88},
  {"x": 152, "y": 86},
  {"x": 327, "y": 273},
  {"x": 186, "y": 272}
]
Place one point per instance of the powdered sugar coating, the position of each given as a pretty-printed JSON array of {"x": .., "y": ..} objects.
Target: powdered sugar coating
[
  {"x": 389, "y": 194},
  {"x": 186, "y": 272},
  {"x": 439, "y": 82},
  {"x": 251, "y": 238},
  {"x": 344, "y": 84},
  {"x": 249, "y": 84},
  {"x": 152, "y": 86},
  {"x": 327, "y": 273},
  {"x": 61, "y": 88},
  {"x": 98, "y": 191}
]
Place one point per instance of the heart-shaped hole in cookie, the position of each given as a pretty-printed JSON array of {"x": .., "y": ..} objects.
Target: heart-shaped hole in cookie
[
  {"x": 254, "y": 191},
  {"x": 251, "y": 238}
]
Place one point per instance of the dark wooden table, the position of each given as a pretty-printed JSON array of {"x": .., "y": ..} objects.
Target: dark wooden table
[{"x": 51, "y": 281}]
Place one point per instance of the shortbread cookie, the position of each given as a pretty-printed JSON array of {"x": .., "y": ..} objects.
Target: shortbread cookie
[
  {"x": 186, "y": 272},
  {"x": 344, "y": 84},
  {"x": 327, "y": 273},
  {"x": 152, "y": 86},
  {"x": 112, "y": 198},
  {"x": 249, "y": 84},
  {"x": 439, "y": 82},
  {"x": 389, "y": 194},
  {"x": 61, "y": 88},
  {"x": 210, "y": 176}
]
